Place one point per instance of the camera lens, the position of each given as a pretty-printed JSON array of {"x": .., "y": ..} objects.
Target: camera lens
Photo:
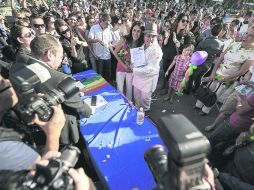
[
  {"x": 157, "y": 160},
  {"x": 69, "y": 156}
]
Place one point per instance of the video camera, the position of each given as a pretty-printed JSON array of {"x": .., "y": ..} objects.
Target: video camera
[
  {"x": 26, "y": 81},
  {"x": 55, "y": 175},
  {"x": 182, "y": 168}
]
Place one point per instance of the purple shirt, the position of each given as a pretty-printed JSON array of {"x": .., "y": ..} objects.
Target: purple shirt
[{"x": 243, "y": 122}]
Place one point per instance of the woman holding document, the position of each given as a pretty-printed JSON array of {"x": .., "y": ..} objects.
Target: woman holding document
[
  {"x": 146, "y": 60},
  {"x": 122, "y": 54}
]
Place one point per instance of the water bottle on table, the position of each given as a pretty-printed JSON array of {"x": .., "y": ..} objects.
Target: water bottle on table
[{"x": 140, "y": 116}]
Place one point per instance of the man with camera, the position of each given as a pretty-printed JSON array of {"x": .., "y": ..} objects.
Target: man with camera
[
  {"x": 47, "y": 53},
  {"x": 15, "y": 154}
]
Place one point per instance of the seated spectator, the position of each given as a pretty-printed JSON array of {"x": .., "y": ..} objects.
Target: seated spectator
[
  {"x": 225, "y": 36},
  {"x": 238, "y": 172},
  {"x": 226, "y": 133},
  {"x": 229, "y": 67},
  {"x": 246, "y": 88}
]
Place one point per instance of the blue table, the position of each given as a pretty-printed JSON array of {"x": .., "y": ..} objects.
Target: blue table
[{"x": 116, "y": 143}]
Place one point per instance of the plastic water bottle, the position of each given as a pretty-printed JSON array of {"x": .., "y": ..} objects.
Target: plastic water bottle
[
  {"x": 140, "y": 116},
  {"x": 66, "y": 68}
]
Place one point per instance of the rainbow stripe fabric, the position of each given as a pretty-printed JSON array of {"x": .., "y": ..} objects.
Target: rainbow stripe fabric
[{"x": 93, "y": 83}]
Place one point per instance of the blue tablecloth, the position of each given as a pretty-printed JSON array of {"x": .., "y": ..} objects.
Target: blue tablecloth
[{"x": 116, "y": 143}]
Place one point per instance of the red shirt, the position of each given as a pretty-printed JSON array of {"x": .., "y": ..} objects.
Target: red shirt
[{"x": 243, "y": 122}]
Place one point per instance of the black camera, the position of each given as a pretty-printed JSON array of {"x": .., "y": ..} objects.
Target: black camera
[
  {"x": 182, "y": 168},
  {"x": 55, "y": 175},
  {"x": 25, "y": 83}
]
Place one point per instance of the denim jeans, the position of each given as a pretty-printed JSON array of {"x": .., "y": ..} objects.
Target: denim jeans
[{"x": 104, "y": 68}]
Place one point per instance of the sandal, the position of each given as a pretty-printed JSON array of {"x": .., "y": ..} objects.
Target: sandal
[{"x": 209, "y": 128}]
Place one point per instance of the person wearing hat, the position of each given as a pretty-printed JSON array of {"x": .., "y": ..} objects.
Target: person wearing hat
[
  {"x": 145, "y": 77},
  {"x": 148, "y": 16}
]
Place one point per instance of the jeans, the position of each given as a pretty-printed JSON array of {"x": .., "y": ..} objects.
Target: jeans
[{"x": 104, "y": 68}]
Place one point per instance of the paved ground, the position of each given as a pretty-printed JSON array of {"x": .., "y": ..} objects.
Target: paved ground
[{"x": 183, "y": 105}]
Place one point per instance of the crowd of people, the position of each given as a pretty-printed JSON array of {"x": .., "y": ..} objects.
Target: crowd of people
[{"x": 132, "y": 45}]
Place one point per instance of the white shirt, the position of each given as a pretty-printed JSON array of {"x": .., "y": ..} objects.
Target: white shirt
[
  {"x": 234, "y": 59},
  {"x": 146, "y": 78},
  {"x": 101, "y": 51},
  {"x": 15, "y": 155}
]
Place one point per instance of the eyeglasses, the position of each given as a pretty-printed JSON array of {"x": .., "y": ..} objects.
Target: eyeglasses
[
  {"x": 38, "y": 25},
  {"x": 80, "y": 17},
  {"x": 183, "y": 21},
  {"x": 4, "y": 89},
  {"x": 28, "y": 35},
  {"x": 20, "y": 18},
  {"x": 65, "y": 31}
]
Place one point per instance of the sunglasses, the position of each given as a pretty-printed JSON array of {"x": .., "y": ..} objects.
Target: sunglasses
[
  {"x": 183, "y": 21},
  {"x": 28, "y": 35},
  {"x": 80, "y": 17},
  {"x": 4, "y": 89},
  {"x": 65, "y": 31},
  {"x": 38, "y": 25}
]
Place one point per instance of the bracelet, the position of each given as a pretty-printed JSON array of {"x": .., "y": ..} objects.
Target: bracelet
[{"x": 239, "y": 105}]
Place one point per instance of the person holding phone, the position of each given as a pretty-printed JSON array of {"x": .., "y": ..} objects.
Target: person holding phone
[{"x": 72, "y": 46}]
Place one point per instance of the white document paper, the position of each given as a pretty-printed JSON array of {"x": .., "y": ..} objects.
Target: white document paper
[
  {"x": 138, "y": 57},
  {"x": 99, "y": 102},
  {"x": 79, "y": 85}
]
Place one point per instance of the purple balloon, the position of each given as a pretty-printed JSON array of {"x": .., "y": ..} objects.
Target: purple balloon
[{"x": 198, "y": 57}]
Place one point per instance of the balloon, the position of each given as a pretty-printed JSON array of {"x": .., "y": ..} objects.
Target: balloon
[
  {"x": 187, "y": 75},
  {"x": 198, "y": 58}
]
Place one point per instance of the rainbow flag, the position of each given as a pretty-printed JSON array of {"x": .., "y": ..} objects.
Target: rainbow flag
[{"x": 93, "y": 83}]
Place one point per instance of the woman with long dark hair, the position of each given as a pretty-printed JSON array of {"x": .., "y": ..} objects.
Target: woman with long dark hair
[
  {"x": 72, "y": 46},
  {"x": 122, "y": 54},
  {"x": 173, "y": 43},
  {"x": 21, "y": 38}
]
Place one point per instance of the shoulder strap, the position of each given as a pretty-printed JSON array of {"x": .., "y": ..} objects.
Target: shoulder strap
[{"x": 8, "y": 134}]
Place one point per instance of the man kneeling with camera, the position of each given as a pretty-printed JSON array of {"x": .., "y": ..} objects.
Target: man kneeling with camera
[{"x": 16, "y": 155}]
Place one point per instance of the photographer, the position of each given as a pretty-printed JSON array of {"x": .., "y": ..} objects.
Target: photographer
[
  {"x": 15, "y": 154},
  {"x": 47, "y": 55},
  {"x": 11, "y": 180}
]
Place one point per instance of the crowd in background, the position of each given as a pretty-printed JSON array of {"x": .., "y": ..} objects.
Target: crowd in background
[{"x": 101, "y": 35}]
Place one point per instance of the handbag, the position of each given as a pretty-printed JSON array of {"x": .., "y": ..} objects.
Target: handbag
[
  {"x": 206, "y": 95},
  {"x": 79, "y": 64}
]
